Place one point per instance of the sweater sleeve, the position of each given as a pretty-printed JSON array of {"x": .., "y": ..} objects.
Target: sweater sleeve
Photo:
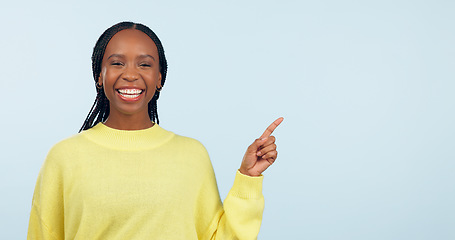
[
  {"x": 46, "y": 215},
  {"x": 241, "y": 214}
]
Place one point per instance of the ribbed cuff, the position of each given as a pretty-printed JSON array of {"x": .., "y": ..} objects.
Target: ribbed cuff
[{"x": 247, "y": 187}]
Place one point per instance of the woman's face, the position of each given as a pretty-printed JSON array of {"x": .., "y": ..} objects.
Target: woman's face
[{"x": 130, "y": 73}]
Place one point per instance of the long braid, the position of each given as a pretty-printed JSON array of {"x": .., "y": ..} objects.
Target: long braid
[
  {"x": 152, "y": 108},
  {"x": 97, "y": 108},
  {"x": 87, "y": 119},
  {"x": 99, "y": 111}
]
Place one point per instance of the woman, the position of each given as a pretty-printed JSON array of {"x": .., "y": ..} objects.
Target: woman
[{"x": 124, "y": 177}]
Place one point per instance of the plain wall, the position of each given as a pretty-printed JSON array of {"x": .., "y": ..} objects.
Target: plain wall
[{"x": 367, "y": 147}]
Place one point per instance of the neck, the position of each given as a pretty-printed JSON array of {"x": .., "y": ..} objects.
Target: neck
[{"x": 128, "y": 122}]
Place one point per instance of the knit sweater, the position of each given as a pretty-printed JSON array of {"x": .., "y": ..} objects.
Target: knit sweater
[{"x": 105, "y": 183}]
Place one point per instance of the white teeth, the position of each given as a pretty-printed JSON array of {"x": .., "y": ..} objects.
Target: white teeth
[
  {"x": 130, "y": 91},
  {"x": 130, "y": 96}
]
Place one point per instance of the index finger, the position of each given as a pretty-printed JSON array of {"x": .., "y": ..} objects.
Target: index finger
[{"x": 272, "y": 127}]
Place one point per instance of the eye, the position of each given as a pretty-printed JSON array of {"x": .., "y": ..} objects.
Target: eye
[
  {"x": 145, "y": 65},
  {"x": 117, "y": 63}
]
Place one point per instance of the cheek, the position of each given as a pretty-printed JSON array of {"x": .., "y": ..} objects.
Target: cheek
[
  {"x": 151, "y": 86},
  {"x": 109, "y": 77},
  {"x": 152, "y": 80},
  {"x": 103, "y": 72}
]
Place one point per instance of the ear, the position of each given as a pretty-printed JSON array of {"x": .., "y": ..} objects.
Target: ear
[{"x": 158, "y": 85}]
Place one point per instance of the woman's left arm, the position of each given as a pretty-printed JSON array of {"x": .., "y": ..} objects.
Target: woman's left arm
[{"x": 244, "y": 204}]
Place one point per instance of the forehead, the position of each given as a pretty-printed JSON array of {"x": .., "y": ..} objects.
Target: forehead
[{"x": 131, "y": 41}]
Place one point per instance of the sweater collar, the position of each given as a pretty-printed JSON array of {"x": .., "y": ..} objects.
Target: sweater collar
[{"x": 128, "y": 139}]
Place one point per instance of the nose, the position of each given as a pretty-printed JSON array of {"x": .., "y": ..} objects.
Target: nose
[{"x": 130, "y": 74}]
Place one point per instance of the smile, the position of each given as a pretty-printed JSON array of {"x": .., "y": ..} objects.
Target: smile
[{"x": 130, "y": 93}]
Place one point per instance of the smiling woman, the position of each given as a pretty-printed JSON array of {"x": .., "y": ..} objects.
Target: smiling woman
[
  {"x": 107, "y": 52},
  {"x": 130, "y": 76},
  {"x": 125, "y": 177}
]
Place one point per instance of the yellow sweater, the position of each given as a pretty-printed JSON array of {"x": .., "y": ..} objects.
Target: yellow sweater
[{"x": 112, "y": 184}]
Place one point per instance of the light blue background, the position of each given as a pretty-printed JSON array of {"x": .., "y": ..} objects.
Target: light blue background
[{"x": 367, "y": 147}]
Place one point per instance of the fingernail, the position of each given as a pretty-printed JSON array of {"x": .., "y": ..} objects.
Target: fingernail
[
  {"x": 262, "y": 139},
  {"x": 259, "y": 153}
]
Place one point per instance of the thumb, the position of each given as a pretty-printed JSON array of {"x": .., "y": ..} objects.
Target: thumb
[{"x": 253, "y": 148}]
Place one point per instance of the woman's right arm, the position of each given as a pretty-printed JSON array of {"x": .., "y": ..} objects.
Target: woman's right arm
[{"x": 46, "y": 215}]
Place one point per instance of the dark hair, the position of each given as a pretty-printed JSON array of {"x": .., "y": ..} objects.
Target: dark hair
[{"x": 100, "y": 108}]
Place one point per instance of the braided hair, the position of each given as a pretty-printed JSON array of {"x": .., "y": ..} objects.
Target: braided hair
[{"x": 100, "y": 108}]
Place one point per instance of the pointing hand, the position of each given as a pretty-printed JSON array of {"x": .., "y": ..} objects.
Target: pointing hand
[{"x": 261, "y": 153}]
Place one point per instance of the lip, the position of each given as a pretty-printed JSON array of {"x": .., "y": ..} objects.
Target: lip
[{"x": 129, "y": 99}]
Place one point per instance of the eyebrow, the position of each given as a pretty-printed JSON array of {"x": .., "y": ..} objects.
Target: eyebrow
[{"x": 140, "y": 56}]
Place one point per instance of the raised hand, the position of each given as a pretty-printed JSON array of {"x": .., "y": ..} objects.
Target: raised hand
[{"x": 262, "y": 153}]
